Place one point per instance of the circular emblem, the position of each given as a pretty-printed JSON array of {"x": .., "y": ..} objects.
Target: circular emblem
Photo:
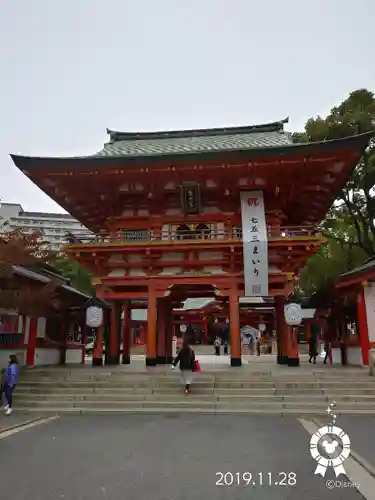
[
  {"x": 183, "y": 328},
  {"x": 293, "y": 314},
  {"x": 330, "y": 447},
  {"x": 94, "y": 316}
]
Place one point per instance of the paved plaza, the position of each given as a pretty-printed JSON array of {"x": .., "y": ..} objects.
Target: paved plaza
[{"x": 158, "y": 457}]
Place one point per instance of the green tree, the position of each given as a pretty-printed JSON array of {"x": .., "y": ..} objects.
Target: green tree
[
  {"x": 349, "y": 226},
  {"x": 332, "y": 259},
  {"x": 78, "y": 276},
  {"x": 351, "y": 219}
]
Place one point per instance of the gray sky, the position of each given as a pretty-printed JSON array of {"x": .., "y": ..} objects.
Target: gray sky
[{"x": 71, "y": 68}]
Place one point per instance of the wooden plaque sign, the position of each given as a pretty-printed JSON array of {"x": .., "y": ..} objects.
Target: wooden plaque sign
[{"x": 190, "y": 195}]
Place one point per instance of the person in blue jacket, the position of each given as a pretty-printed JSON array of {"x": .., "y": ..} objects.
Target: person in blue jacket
[{"x": 10, "y": 382}]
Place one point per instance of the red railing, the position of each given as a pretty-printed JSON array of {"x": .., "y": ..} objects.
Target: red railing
[{"x": 173, "y": 235}]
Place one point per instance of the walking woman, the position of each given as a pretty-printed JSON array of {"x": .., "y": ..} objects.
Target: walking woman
[
  {"x": 10, "y": 382},
  {"x": 186, "y": 359},
  {"x": 313, "y": 342}
]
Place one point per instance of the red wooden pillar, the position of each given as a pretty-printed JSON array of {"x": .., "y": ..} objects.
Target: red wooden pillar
[
  {"x": 234, "y": 329},
  {"x": 362, "y": 325},
  {"x": 161, "y": 334},
  {"x": 31, "y": 345},
  {"x": 292, "y": 345},
  {"x": 143, "y": 334},
  {"x": 205, "y": 330},
  {"x": 126, "y": 333},
  {"x": 97, "y": 354},
  {"x": 281, "y": 331},
  {"x": 63, "y": 338},
  {"x": 113, "y": 348},
  {"x": 151, "y": 328},
  {"x": 169, "y": 333},
  {"x": 23, "y": 330},
  {"x": 83, "y": 341}
]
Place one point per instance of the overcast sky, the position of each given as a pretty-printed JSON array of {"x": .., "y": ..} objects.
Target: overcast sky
[{"x": 71, "y": 68}]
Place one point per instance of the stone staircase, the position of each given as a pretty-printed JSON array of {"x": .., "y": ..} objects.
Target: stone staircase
[{"x": 284, "y": 391}]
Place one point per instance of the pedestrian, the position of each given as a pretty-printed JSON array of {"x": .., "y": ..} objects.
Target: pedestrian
[
  {"x": 10, "y": 382},
  {"x": 186, "y": 359},
  {"x": 2, "y": 385},
  {"x": 217, "y": 345},
  {"x": 313, "y": 342},
  {"x": 258, "y": 341},
  {"x": 226, "y": 348},
  {"x": 178, "y": 344},
  {"x": 327, "y": 347}
]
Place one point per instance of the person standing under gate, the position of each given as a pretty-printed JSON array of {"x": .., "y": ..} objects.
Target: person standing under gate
[
  {"x": 217, "y": 345},
  {"x": 186, "y": 359},
  {"x": 313, "y": 342}
]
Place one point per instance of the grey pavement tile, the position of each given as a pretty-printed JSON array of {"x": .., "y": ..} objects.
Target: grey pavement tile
[
  {"x": 156, "y": 457},
  {"x": 361, "y": 430}
]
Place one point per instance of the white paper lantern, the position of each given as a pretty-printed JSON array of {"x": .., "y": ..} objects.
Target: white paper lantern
[
  {"x": 293, "y": 314},
  {"x": 94, "y": 316},
  {"x": 262, "y": 327}
]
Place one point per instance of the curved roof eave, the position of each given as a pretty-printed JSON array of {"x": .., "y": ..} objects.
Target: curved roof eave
[{"x": 358, "y": 141}]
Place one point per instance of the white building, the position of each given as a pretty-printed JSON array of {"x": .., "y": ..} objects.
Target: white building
[{"x": 53, "y": 227}]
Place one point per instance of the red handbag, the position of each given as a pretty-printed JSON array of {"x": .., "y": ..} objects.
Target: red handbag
[{"x": 197, "y": 366}]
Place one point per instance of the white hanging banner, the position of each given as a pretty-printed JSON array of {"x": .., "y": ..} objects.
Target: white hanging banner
[{"x": 255, "y": 244}]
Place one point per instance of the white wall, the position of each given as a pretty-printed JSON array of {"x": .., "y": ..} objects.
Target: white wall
[
  {"x": 370, "y": 310},
  {"x": 47, "y": 356},
  {"x": 354, "y": 356},
  {"x": 5, "y": 353},
  {"x": 73, "y": 356},
  {"x": 41, "y": 328}
]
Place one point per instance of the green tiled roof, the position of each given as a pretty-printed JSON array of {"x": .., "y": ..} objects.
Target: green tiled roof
[{"x": 124, "y": 144}]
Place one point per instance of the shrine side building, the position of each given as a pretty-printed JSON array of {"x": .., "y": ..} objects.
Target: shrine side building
[{"x": 224, "y": 213}]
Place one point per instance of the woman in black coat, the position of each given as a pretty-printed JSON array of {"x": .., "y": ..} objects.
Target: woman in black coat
[{"x": 186, "y": 359}]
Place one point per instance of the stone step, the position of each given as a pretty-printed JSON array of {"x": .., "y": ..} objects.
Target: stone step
[
  {"x": 352, "y": 393},
  {"x": 159, "y": 405},
  {"x": 187, "y": 405},
  {"x": 103, "y": 389},
  {"x": 195, "y": 401},
  {"x": 151, "y": 397},
  {"x": 298, "y": 390},
  {"x": 302, "y": 413}
]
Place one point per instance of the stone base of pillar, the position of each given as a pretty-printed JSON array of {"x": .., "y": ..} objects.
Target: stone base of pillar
[
  {"x": 113, "y": 360},
  {"x": 151, "y": 362},
  {"x": 97, "y": 361},
  {"x": 161, "y": 360},
  {"x": 235, "y": 361},
  {"x": 169, "y": 360},
  {"x": 282, "y": 360},
  {"x": 293, "y": 361},
  {"x": 125, "y": 359}
]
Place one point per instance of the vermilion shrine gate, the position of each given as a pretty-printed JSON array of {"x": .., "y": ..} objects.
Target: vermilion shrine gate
[{"x": 224, "y": 213}]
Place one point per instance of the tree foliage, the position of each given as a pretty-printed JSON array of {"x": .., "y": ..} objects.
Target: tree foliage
[
  {"x": 351, "y": 219},
  {"x": 350, "y": 224},
  {"x": 22, "y": 294},
  {"x": 78, "y": 276}
]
